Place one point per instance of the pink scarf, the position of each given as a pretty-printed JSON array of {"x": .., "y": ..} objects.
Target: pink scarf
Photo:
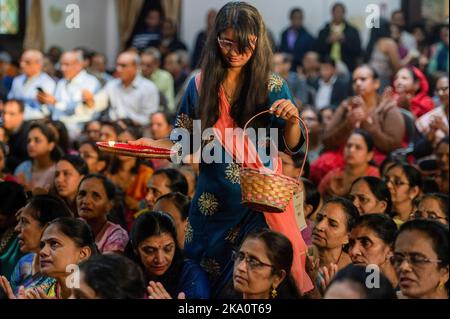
[{"x": 285, "y": 222}]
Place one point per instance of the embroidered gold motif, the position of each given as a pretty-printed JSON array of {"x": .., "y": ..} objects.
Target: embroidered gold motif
[
  {"x": 189, "y": 234},
  {"x": 275, "y": 83},
  {"x": 211, "y": 267},
  {"x": 232, "y": 173},
  {"x": 184, "y": 121},
  {"x": 208, "y": 204},
  {"x": 232, "y": 234}
]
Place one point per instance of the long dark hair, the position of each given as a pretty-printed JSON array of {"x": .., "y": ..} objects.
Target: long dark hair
[
  {"x": 50, "y": 135},
  {"x": 77, "y": 230},
  {"x": 358, "y": 275},
  {"x": 45, "y": 208},
  {"x": 153, "y": 224},
  {"x": 113, "y": 277},
  {"x": 245, "y": 20}
]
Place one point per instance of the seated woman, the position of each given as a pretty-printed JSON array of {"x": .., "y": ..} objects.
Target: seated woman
[
  {"x": 69, "y": 172},
  {"x": 91, "y": 131},
  {"x": 350, "y": 283},
  {"x": 160, "y": 128},
  {"x": 109, "y": 277},
  {"x": 424, "y": 245},
  {"x": 96, "y": 160},
  {"x": 109, "y": 131},
  {"x": 441, "y": 152},
  {"x": 434, "y": 124},
  {"x": 371, "y": 243},
  {"x": 262, "y": 267},
  {"x": 380, "y": 117},
  {"x": 358, "y": 154},
  {"x": 331, "y": 232},
  {"x": 370, "y": 195},
  {"x": 95, "y": 200},
  {"x": 155, "y": 248},
  {"x": 433, "y": 206},
  {"x": 33, "y": 219},
  {"x": 12, "y": 199},
  {"x": 65, "y": 242},
  {"x": 130, "y": 174},
  {"x": 39, "y": 171},
  {"x": 404, "y": 183},
  {"x": 411, "y": 91},
  {"x": 176, "y": 205}
]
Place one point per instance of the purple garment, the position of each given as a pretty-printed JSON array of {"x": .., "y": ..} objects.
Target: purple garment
[
  {"x": 291, "y": 38},
  {"x": 307, "y": 232}
]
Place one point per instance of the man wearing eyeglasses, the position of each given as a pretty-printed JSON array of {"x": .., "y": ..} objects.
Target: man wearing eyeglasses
[
  {"x": 131, "y": 96},
  {"x": 67, "y": 102},
  {"x": 26, "y": 86}
]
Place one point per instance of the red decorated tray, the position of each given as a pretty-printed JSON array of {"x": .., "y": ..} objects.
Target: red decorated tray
[{"x": 126, "y": 149}]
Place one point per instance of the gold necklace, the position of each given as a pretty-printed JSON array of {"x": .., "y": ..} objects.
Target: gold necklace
[{"x": 230, "y": 97}]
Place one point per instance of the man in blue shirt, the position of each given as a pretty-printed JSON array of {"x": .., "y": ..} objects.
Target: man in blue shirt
[
  {"x": 25, "y": 87},
  {"x": 67, "y": 104}
]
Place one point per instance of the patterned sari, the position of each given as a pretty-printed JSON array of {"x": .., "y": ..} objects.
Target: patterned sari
[{"x": 218, "y": 222}]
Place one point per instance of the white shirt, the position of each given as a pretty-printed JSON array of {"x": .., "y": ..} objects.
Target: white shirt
[
  {"x": 323, "y": 96},
  {"x": 135, "y": 102},
  {"x": 423, "y": 123},
  {"x": 408, "y": 41},
  {"x": 69, "y": 107},
  {"x": 25, "y": 89}
]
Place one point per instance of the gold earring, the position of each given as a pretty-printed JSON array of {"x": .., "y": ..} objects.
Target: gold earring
[
  {"x": 441, "y": 285},
  {"x": 274, "y": 293}
]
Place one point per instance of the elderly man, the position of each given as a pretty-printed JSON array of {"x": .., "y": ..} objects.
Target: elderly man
[
  {"x": 26, "y": 87},
  {"x": 130, "y": 96},
  {"x": 67, "y": 103},
  {"x": 150, "y": 65}
]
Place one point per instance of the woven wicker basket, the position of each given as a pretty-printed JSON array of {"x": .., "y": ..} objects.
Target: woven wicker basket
[{"x": 266, "y": 191}]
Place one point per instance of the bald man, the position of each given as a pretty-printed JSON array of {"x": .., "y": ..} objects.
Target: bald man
[
  {"x": 25, "y": 86},
  {"x": 67, "y": 102},
  {"x": 131, "y": 96}
]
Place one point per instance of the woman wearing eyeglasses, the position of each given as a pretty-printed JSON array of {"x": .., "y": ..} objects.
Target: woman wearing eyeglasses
[
  {"x": 262, "y": 267},
  {"x": 433, "y": 206},
  {"x": 235, "y": 84},
  {"x": 404, "y": 182},
  {"x": 421, "y": 260}
]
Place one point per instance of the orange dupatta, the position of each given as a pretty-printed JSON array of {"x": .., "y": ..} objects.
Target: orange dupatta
[{"x": 285, "y": 222}]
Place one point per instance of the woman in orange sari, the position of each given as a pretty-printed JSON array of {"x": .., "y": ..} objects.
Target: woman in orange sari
[{"x": 235, "y": 84}]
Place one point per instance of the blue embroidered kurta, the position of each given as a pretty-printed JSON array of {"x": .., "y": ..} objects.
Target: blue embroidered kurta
[{"x": 218, "y": 221}]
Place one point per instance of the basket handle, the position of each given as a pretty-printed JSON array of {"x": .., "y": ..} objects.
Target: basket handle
[{"x": 306, "y": 137}]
